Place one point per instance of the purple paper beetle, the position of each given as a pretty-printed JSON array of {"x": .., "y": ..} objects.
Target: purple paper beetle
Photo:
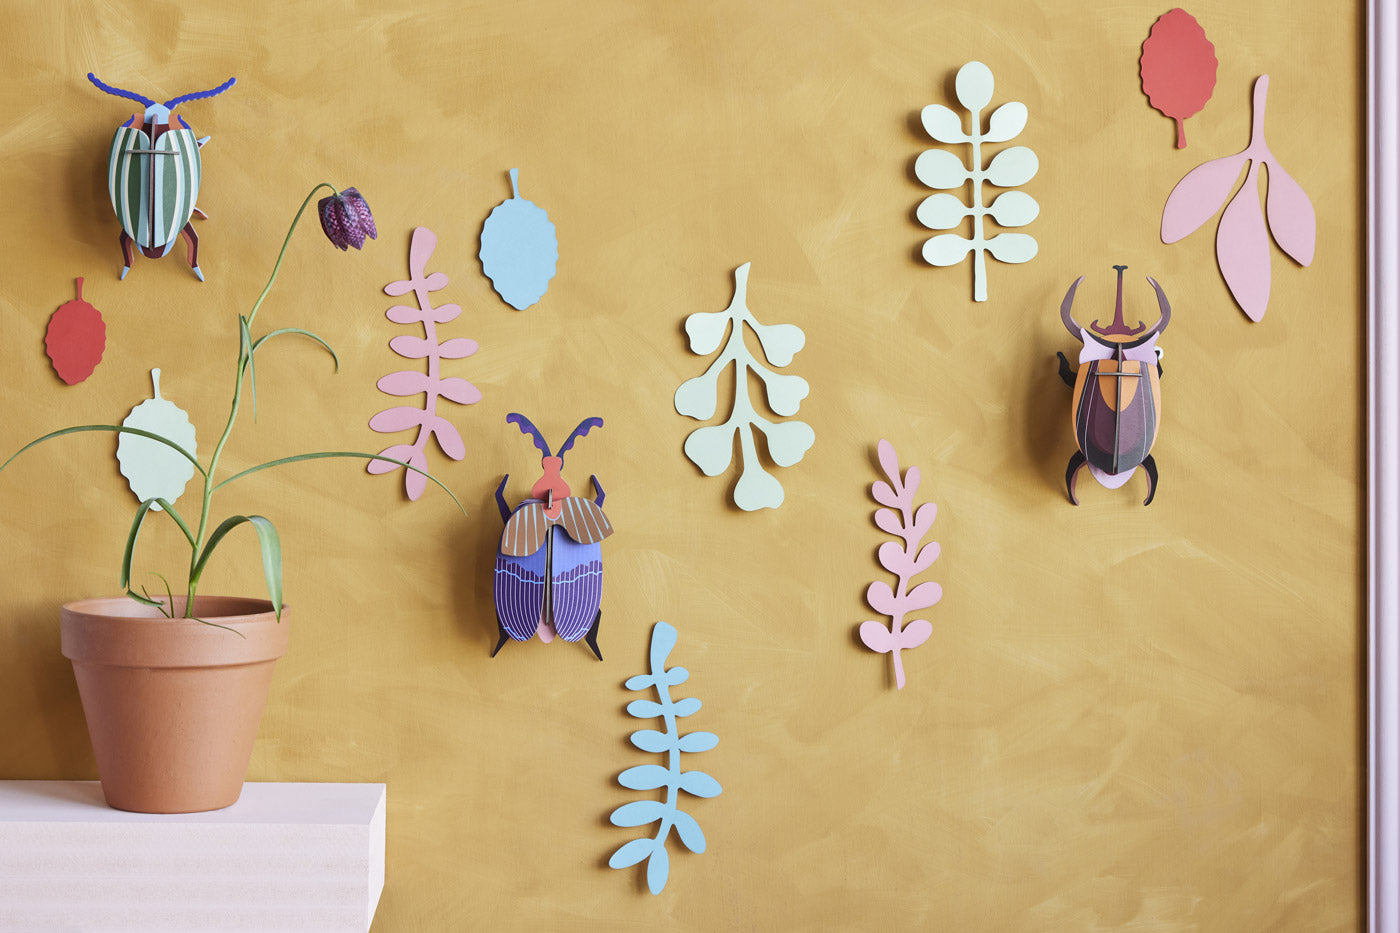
[
  {"x": 153, "y": 176},
  {"x": 1117, "y": 394},
  {"x": 549, "y": 580}
]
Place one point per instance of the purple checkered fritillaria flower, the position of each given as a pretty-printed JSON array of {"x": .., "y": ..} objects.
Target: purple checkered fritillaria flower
[{"x": 346, "y": 219}]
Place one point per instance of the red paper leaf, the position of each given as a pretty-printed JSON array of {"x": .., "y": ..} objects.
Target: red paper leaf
[
  {"x": 1177, "y": 68},
  {"x": 75, "y": 339}
]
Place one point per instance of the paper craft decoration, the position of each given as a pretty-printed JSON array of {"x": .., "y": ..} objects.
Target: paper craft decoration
[
  {"x": 75, "y": 339},
  {"x": 431, "y": 385},
  {"x": 900, "y": 518},
  {"x": 153, "y": 176},
  {"x": 153, "y": 470},
  {"x": 1009, "y": 168},
  {"x": 1241, "y": 243},
  {"x": 1117, "y": 393},
  {"x": 711, "y": 448},
  {"x": 549, "y": 567},
  {"x": 1177, "y": 68},
  {"x": 519, "y": 249},
  {"x": 655, "y": 777}
]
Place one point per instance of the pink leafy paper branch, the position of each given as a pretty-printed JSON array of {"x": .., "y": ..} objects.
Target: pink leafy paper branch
[
  {"x": 431, "y": 384},
  {"x": 903, "y": 558}
]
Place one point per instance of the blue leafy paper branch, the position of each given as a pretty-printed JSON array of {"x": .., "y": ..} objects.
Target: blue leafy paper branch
[{"x": 655, "y": 777}]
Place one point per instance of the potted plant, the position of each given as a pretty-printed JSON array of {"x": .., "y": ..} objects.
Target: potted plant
[{"x": 173, "y": 687}]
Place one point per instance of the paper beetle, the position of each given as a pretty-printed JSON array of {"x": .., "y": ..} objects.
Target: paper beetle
[
  {"x": 153, "y": 176},
  {"x": 549, "y": 568},
  {"x": 1117, "y": 394}
]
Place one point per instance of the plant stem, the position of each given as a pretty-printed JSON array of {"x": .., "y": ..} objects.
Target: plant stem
[{"x": 244, "y": 360}]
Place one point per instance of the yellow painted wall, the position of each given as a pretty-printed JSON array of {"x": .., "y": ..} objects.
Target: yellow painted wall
[{"x": 1126, "y": 719}]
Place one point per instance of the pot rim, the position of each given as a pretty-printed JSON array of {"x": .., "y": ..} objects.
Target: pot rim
[{"x": 121, "y": 632}]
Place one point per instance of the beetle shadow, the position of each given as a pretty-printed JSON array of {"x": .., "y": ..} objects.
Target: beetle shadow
[
  {"x": 1044, "y": 417},
  {"x": 473, "y": 584},
  {"x": 87, "y": 202}
]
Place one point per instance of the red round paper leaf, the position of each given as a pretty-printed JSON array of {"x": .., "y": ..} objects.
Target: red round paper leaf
[
  {"x": 1178, "y": 68},
  {"x": 75, "y": 339}
]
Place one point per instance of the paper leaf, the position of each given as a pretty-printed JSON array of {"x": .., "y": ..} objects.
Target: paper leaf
[
  {"x": 75, "y": 339},
  {"x": 909, "y": 525},
  {"x": 655, "y": 777},
  {"x": 519, "y": 249},
  {"x": 153, "y": 470},
  {"x": 1242, "y": 240},
  {"x": 711, "y": 448},
  {"x": 1009, "y": 168},
  {"x": 1177, "y": 68},
  {"x": 430, "y": 384}
]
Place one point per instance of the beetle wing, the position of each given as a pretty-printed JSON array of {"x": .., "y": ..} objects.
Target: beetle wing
[
  {"x": 576, "y": 584},
  {"x": 1115, "y": 422},
  {"x": 584, "y": 520},
  {"x": 153, "y": 194},
  {"x": 124, "y": 178},
  {"x": 524, "y": 532},
  {"x": 519, "y": 593}
]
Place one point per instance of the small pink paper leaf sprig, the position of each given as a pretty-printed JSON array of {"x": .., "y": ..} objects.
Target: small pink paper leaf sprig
[
  {"x": 1241, "y": 239},
  {"x": 430, "y": 384},
  {"x": 906, "y": 561}
]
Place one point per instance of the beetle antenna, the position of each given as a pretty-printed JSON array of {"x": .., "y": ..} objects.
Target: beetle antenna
[
  {"x": 527, "y": 428},
  {"x": 1074, "y": 329},
  {"x": 118, "y": 92},
  {"x": 586, "y": 425},
  {"x": 174, "y": 102}
]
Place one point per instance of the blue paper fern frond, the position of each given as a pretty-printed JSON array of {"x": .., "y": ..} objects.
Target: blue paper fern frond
[{"x": 656, "y": 777}]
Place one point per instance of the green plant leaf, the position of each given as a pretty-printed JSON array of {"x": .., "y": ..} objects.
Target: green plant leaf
[
  {"x": 297, "y": 330},
  {"x": 169, "y": 509},
  {"x": 131, "y": 547},
  {"x": 145, "y": 600},
  {"x": 246, "y": 348},
  {"x": 348, "y": 454},
  {"x": 114, "y": 428},
  {"x": 271, "y": 554}
]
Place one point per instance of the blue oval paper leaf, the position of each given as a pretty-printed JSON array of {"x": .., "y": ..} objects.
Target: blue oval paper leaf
[{"x": 519, "y": 249}]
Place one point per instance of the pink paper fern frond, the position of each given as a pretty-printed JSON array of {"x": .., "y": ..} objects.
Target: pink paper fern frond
[
  {"x": 431, "y": 384},
  {"x": 905, "y": 559}
]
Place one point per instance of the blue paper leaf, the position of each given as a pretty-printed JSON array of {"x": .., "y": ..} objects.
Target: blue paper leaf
[
  {"x": 655, "y": 777},
  {"x": 699, "y": 783},
  {"x": 519, "y": 249},
  {"x": 645, "y": 777},
  {"x": 638, "y": 813}
]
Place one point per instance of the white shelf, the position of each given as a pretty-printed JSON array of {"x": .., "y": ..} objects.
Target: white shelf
[{"x": 303, "y": 857}]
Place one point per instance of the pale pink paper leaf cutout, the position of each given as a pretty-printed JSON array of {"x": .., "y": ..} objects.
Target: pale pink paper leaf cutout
[
  {"x": 1242, "y": 239},
  {"x": 903, "y": 558},
  {"x": 1242, "y": 249},
  {"x": 1291, "y": 218},
  {"x": 430, "y": 384},
  {"x": 1198, "y": 196}
]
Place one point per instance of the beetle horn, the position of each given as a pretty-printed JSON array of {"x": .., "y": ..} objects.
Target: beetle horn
[
  {"x": 1119, "y": 326},
  {"x": 1074, "y": 329},
  {"x": 1163, "y": 305},
  {"x": 586, "y": 425},
  {"x": 118, "y": 92},
  {"x": 174, "y": 102},
  {"x": 529, "y": 429}
]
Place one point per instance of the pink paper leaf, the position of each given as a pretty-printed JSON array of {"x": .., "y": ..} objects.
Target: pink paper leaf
[
  {"x": 927, "y": 555},
  {"x": 1291, "y": 217},
  {"x": 881, "y": 598},
  {"x": 914, "y": 634},
  {"x": 1198, "y": 196},
  {"x": 1242, "y": 249},
  {"x": 912, "y": 478},
  {"x": 403, "y": 382},
  {"x": 884, "y": 494},
  {"x": 889, "y": 462},
  {"x": 430, "y": 384},
  {"x": 923, "y": 519},
  {"x": 876, "y": 637},
  {"x": 922, "y": 596},
  {"x": 888, "y": 521},
  {"x": 894, "y": 559},
  {"x": 400, "y": 418}
]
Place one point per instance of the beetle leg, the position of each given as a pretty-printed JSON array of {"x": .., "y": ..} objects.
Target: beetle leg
[
  {"x": 1150, "y": 466},
  {"x": 598, "y": 499},
  {"x": 504, "y": 638},
  {"x": 193, "y": 239},
  {"x": 1075, "y": 463},
  {"x": 200, "y": 214},
  {"x": 126, "y": 253},
  {"x": 501, "y": 499},
  {"x": 1066, "y": 373},
  {"x": 592, "y": 637}
]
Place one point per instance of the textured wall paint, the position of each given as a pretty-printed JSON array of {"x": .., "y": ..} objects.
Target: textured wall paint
[{"x": 1127, "y": 718}]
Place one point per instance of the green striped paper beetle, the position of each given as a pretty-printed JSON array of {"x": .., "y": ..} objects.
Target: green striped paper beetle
[{"x": 153, "y": 176}]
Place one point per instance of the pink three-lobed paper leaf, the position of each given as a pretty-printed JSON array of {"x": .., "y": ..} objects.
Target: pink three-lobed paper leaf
[
  {"x": 905, "y": 560},
  {"x": 1242, "y": 238},
  {"x": 430, "y": 384}
]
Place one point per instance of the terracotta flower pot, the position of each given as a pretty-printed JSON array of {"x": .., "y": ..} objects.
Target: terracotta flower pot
[{"x": 172, "y": 705}]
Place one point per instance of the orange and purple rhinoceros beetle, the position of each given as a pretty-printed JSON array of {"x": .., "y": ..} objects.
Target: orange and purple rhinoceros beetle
[
  {"x": 549, "y": 567},
  {"x": 1117, "y": 394}
]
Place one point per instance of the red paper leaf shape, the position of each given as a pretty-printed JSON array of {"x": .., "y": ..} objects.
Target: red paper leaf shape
[
  {"x": 75, "y": 339},
  {"x": 1178, "y": 68}
]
